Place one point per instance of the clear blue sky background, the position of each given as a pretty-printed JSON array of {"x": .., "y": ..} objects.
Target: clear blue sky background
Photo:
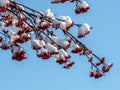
[{"x": 36, "y": 74}]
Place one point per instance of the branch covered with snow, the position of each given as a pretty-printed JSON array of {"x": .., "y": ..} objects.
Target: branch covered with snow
[{"x": 20, "y": 24}]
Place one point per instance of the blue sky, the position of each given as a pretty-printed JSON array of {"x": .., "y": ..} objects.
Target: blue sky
[{"x": 37, "y": 74}]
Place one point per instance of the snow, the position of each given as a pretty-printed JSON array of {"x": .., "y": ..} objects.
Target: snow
[
  {"x": 76, "y": 46},
  {"x": 65, "y": 21},
  {"x": 84, "y": 29},
  {"x": 49, "y": 14},
  {"x": 83, "y": 4},
  {"x": 35, "y": 43},
  {"x": 62, "y": 51},
  {"x": 51, "y": 48}
]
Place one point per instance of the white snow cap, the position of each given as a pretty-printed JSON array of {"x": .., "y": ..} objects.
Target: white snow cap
[
  {"x": 84, "y": 29},
  {"x": 35, "y": 43},
  {"x": 49, "y": 14},
  {"x": 60, "y": 41},
  {"x": 83, "y": 4},
  {"x": 61, "y": 56},
  {"x": 68, "y": 20},
  {"x": 76, "y": 46},
  {"x": 42, "y": 43},
  {"x": 62, "y": 51},
  {"x": 44, "y": 50},
  {"x": 65, "y": 21},
  {"x": 63, "y": 25},
  {"x": 21, "y": 7},
  {"x": 51, "y": 48},
  {"x": 3, "y": 2}
]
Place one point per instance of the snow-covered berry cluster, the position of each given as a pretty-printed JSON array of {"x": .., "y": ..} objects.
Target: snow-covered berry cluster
[
  {"x": 82, "y": 7},
  {"x": 99, "y": 73},
  {"x": 83, "y": 30},
  {"x": 18, "y": 53}
]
